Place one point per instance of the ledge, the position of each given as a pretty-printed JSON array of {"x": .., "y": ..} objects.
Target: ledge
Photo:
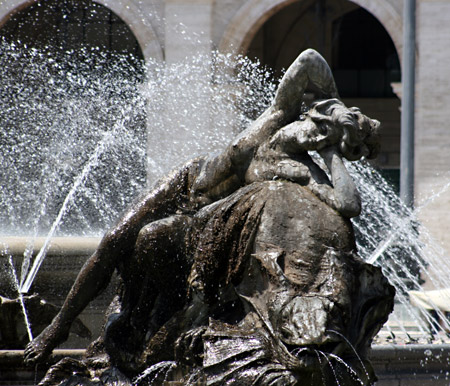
[
  {"x": 67, "y": 246},
  {"x": 14, "y": 372},
  {"x": 410, "y": 351},
  {"x": 415, "y": 361},
  {"x": 15, "y": 357},
  {"x": 416, "y": 364}
]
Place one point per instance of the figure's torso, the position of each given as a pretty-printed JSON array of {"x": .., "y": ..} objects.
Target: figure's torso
[{"x": 303, "y": 226}]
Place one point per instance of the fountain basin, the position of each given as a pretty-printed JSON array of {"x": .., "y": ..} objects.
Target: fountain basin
[
  {"x": 412, "y": 364},
  {"x": 406, "y": 365},
  {"x": 63, "y": 261}
]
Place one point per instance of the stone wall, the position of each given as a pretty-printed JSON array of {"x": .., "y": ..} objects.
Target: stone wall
[{"x": 432, "y": 158}]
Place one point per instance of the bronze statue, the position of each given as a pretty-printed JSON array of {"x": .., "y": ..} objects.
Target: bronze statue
[{"x": 241, "y": 268}]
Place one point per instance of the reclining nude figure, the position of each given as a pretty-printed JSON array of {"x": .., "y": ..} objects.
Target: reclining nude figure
[{"x": 274, "y": 146}]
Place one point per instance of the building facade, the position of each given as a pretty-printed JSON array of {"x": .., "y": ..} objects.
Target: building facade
[{"x": 361, "y": 39}]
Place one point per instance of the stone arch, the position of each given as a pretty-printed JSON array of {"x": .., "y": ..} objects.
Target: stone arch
[
  {"x": 389, "y": 18},
  {"x": 252, "y": 15},
  {"x": 130, "y": 14},
  {"x": 246, "y": 22},
  {"x": 139, "y": 25}
]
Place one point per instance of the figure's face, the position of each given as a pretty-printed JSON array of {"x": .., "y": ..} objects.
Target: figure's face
[{"x": 357, "y": 133}]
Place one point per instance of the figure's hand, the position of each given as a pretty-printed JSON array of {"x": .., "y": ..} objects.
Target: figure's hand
[
  {"x": 344, "y": 150},
  {"x": 199, "y": 200},
  {"x": 353, "y": 153},
  {"x": 40, "y": 348},
  {"x": 36, "y": 351}
]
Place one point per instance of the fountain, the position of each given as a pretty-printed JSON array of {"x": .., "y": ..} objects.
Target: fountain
[
  {"x": 77, "y": 208},
  {"x": 238, "y": 267}
]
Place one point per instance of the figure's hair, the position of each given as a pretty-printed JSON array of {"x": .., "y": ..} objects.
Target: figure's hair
[
  {"x": 359, "y": 133},
  {"x": 370, "y": 127}
]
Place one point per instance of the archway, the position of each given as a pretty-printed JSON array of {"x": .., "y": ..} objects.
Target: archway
[
  {"x": 246, "y": 22},
  {"x": 131, "y": 16},
  {"x": 358, "y": 47},
  {"x": 63, "y": 26}
]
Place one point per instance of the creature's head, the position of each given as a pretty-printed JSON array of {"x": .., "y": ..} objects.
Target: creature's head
[{"x": 358, "y": 133}]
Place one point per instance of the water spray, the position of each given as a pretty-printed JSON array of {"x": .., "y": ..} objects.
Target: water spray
[{"x": 93, "y": 160}]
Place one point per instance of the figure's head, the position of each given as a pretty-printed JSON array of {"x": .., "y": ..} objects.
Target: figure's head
[{"x": 358, "y": 133}]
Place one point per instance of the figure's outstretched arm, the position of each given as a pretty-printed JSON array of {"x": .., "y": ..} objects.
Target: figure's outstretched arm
[
  {"x": 116, "y": 247},
  {"x": 93, "y": 278},
  {"x": 227, "y": 170}
]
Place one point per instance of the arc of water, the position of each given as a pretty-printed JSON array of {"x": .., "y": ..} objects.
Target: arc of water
[
  {"x": 348, "y": 367},
  {"x": 383, "y": 246},
  {"x": 393, "y": 236},
  {"x": 433, "y": 197},
  {"x": 155, "y": 370},
  {"x": 321, "y": 366},
  {"x": 331, "y": 366},
  {"x": 92, "y": 161},
  {"x": 22, "y": 303},
  {"x": 353, "y": 348},
  {"x": 28, "y": 253},
  {"x": 194, "y": 378}
]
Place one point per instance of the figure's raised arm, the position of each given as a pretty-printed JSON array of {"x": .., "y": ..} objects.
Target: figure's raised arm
[
  {"x": 225, "y": 172},
  {"x": 309, "y": 68}
]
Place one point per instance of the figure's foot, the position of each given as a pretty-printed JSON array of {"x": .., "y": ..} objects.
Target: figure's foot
[
  {"x": 40, "y": 348},
  {"x": 189, "y": 346}
]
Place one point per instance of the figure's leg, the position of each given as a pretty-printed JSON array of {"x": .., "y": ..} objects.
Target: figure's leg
[
  {"x": 160, "y": 257},
  {"x": 118, "y": 244},
  {"x": 154, "y": 289}
]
